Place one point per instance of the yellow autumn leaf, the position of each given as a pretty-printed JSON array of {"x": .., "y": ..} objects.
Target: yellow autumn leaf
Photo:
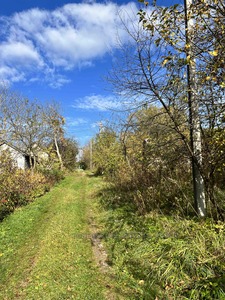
[
  {"x": 214, "y": 53},
  {"x": 222, "y": 84},
  {"x": 165, "y": 62},
  {"x": 188, "y": 59},
  {"x": 141, "y": 282},
  {"x": 208, "y": 78}
]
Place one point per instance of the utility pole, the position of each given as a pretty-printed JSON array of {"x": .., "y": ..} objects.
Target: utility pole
[{"x": 194, "y": 119}]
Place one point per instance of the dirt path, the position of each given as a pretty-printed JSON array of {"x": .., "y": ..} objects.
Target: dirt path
[{"x": 51, "y": 244}]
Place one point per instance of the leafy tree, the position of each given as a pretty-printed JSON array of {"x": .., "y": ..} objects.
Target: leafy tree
[
  {"x": 106, "y": 152},
  {"x": 155, "y": 68}
]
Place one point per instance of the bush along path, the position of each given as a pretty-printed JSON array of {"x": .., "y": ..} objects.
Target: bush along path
[{"x": 46, "y": 250}]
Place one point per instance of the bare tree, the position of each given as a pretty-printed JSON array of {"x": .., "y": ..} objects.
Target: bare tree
[{"x": 24, "y": 122}]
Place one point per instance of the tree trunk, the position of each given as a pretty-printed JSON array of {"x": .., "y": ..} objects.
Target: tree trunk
[
  {"x": 195, "y": 128},
  {"x": 58, "y": 152},
  {"x": 34, "y": 162},
  {"x": 31, "y": 163},
  {"x": 91, "y": 155}
]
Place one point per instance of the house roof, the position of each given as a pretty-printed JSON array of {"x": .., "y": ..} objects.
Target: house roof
[{"x": 4, "y": 142}]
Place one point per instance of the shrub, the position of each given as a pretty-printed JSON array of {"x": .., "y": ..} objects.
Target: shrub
[
  {"x": 19, "y": 187},
  {"x": 53, "y": 175}
]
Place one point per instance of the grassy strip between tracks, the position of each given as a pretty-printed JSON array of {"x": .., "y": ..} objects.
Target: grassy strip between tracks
[{"x": 45, "y": 248}]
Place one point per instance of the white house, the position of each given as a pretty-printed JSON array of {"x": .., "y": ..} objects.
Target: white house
[{"x": 20, "y": 158}]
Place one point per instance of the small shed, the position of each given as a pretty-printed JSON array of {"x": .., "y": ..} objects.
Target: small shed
[{"x": 20, "y": 158}]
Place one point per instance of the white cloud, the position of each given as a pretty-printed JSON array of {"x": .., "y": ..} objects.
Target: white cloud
[
  {"x": 12, "y": 73},
  {"x": 20, "y": 53},
  {"x": 29, "y": 22},
  {"x": 98, "y": 102},
  {"x": 59, "y": 40},
  {"x": 74, "y": 122}
]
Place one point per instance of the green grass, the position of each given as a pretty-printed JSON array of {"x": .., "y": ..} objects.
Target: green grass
[
  {"x": 45, "y": 248},
  {"x": 46, "y": 252},
  {"x": 164, "y": 257}
]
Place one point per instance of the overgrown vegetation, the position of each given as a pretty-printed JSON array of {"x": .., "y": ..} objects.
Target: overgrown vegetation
[
  {"x": 163, "y": 257},
  {"x": 172, "y": 138},
  {"x": 148, "y": 161}
]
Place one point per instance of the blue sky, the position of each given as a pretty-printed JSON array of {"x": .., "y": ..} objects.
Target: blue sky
[{"x": 62, "y": 50}]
